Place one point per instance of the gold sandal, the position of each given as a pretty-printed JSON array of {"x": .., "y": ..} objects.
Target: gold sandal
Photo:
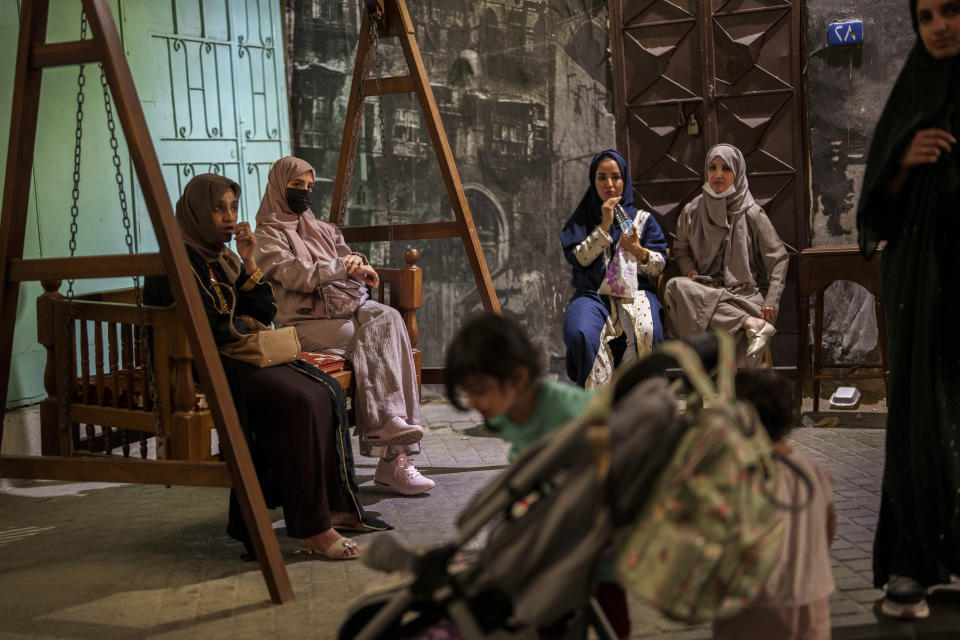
[{"x": 336, "y": 551}]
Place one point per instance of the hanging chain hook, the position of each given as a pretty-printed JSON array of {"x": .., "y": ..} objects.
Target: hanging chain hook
[
  {"x": 68, "y": 356},
  {"x": 145, "y": 335},
  {"x": 384, "y": 165}
]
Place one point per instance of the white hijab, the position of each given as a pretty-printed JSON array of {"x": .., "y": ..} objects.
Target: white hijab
[{"x": 718, "y": 227}]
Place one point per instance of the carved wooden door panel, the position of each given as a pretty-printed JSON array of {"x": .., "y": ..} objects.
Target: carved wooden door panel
[{"x": 689, "y": 74}]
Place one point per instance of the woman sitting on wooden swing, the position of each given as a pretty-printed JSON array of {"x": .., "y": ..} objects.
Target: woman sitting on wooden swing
[
  {"x": 318, "y": 284},
  {"x": 291, "y": 414}
]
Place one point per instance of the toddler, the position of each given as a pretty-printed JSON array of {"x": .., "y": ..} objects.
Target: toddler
[
  {"x": 793, "y": 604},
  {"x": 493, "y": 362}
]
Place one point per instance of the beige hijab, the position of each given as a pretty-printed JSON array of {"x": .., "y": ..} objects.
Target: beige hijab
[
  {"x": 718, "y": 226},
  {"x": 310, "y": 239},
  {"x": 195, "y": 217}
]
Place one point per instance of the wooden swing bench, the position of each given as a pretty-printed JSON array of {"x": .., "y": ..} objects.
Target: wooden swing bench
[
  {"x": 107, "y": 393},
  {"x": 109, "y": 412}
]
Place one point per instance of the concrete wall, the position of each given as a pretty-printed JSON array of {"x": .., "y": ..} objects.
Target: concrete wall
[{"x": 847, "y": 88}]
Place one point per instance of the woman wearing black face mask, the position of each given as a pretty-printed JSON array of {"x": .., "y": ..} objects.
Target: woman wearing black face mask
[{"x": 299, "y": 254}]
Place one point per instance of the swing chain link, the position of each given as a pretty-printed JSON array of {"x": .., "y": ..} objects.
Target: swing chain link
[
  {"x": 138, "y": 291},
  {"x": 372, "y": 40},
  {"x": 68, "y": 357},
  {"x": 383, "y": 153}
]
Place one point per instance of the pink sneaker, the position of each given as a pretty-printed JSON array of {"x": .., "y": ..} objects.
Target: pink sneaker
[
  {"x": 401, "y": 476},
  {"x": 395, "y": 432}
]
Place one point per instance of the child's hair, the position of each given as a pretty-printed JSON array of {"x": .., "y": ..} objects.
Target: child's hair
[
  {"x": 490, "y": 345},
  {"x": 772, "y": 396}
]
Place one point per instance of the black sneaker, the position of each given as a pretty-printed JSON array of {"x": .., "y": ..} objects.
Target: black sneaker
[{"x": 904, "y": 599}]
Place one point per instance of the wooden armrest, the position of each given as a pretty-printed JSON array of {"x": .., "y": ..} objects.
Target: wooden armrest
[{"x": 406, "y": 291}]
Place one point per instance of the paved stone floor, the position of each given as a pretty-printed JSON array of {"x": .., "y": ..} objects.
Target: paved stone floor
[{"x": 117, "y": 561}]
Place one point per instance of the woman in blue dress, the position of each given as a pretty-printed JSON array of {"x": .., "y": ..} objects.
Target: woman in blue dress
[{"x": 614, "y": 315}]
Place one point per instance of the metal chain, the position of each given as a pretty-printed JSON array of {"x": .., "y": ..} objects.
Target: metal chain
[
  {"x": 128, "y": 238},
  {"x": 384, "y": 165},
  {"x": 358, "y": 119},
  {"x": 78, "y": 137},
  {"x": 74, "y": 227}
]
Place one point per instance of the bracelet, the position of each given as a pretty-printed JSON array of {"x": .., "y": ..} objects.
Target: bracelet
[{"x": 646, "y": 256}]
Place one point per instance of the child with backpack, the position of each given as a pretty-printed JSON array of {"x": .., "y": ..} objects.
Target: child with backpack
[
  {"x": 500, "y": 371},
  {"x": 793, "y": 604}
]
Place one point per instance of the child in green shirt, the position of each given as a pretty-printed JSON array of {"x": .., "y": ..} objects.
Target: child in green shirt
[
  {"x": 493, "y": 362},
  {"x": 501, "y": 372}
]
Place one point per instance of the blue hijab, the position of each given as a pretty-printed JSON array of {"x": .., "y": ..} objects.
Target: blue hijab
[{"x": 588, "y": 215}]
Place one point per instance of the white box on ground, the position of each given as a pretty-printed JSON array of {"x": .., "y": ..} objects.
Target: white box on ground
[{"x": 845, "y": 397}]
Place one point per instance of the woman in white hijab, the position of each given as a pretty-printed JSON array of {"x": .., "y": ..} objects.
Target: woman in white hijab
[
  {"x": 734, "y": 264},
  {"x": 300, "y": 256}
]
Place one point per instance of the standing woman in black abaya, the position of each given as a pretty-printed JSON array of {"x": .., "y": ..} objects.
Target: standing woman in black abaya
[{"x": 911, "y": 200}]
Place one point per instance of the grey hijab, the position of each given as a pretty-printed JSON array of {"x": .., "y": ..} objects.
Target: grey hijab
[{"x": 718, "y": 226}]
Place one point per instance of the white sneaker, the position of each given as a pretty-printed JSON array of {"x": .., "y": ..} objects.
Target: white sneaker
[
  {"x": 401, "y": 476},
  {"x": 395, "y": 431},
  {"x": 904, "y": 599}
]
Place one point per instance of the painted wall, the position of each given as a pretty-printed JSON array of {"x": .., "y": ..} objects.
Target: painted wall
[
  {"x": 211, "y": 81},
  {"x": 524, "y": 92},
  {"x": 847, "y": 88}
]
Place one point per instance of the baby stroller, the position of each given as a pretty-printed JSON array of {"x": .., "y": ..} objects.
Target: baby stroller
[{"x": 554, "y": 514}]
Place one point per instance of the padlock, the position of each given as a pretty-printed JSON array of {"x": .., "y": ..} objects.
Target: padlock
[{"x": 693, "y": 127}]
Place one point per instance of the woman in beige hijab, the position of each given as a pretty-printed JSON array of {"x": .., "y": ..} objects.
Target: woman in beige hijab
[
  {"x": 299, "y": 254},
  {"x": 733, "y": 261}
]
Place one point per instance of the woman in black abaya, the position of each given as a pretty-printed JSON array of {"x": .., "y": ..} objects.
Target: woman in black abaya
[{"x": 911, "y": 200}]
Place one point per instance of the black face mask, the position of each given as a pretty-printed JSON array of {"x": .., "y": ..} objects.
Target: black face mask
[{"x": 298, "y": 199}]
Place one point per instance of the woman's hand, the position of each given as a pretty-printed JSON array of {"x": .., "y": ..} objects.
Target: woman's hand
[
  {"x": 631, "y": 244},
  {"x": 692, "y": 273},
  {"x": 246, "y": 243},
  {"x": 368, "y": 274},
  {"x": 352, "y": 262},
  {"x": 926, "y": 147},
  {"x": 606, "y": 210},
  {"x": 769, "y": 314}
]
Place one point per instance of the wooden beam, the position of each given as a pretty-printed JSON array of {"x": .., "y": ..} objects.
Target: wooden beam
[
  {"x": 124, "y": 313},
  {"x": 348, "y": 146},
  {"x": 397, "y": 14},
  {"x": 187, "y": 297},
  {"x": 112, "y": 266},
  {"x": 119, "y": 418},
  {"x": 394, "y": 84},
  {"x": 64, "y": 53},
  {"x": 103, "y": 469},
  {"x": 434, "y": 375},
  {"x": 16, "y": 195},
  {"x": 419, "y": 231}
]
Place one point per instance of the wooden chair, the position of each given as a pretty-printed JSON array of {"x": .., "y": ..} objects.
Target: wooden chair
[
  {"x": 110, "y": 408},
  {"x": 820, "y": 267}
]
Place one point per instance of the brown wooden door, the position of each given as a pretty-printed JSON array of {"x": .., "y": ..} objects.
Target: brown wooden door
[{"x": 733, "y": 67}]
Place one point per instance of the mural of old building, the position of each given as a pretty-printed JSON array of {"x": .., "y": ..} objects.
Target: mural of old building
[{"x": 523, "y": 91}]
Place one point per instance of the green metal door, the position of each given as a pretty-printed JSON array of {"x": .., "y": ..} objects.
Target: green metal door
[{"x": 212, "y": 81}]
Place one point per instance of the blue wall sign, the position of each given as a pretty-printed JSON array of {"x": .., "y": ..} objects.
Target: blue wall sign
[{"x": 845, "y": 33}]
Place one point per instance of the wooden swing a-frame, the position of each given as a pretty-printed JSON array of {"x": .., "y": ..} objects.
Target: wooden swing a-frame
[
  {"x": 33, "y": 56},
  {"x": 393, "y": 19}
]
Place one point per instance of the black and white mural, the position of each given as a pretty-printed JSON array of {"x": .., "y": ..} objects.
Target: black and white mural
[{"x": 524, "y": 90}]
